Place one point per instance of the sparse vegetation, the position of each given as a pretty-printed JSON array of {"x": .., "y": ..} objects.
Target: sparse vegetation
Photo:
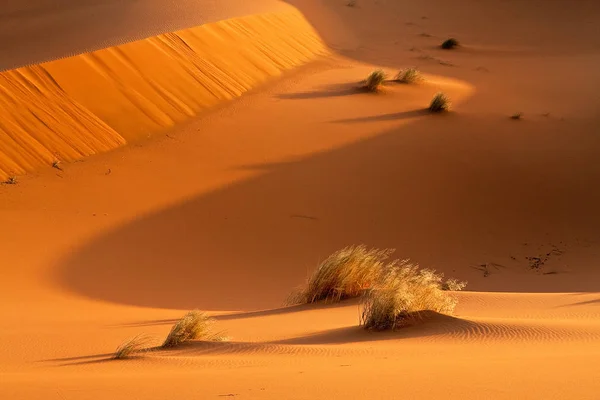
[
  {"x": 12, "y": 180},
  {"x": 344, "y": 274},
  {"x": 409, "y": 75},
  {"x": 517, "y": 116},
  {"x": 194, "y": 325},
  {"x": 131, "y": 346},
  {"x": 450, "y": 44},
  {"x": 375, "y": 80},
  {"x": 439, "y": 103},
  {"x": 404, "y": 294}
]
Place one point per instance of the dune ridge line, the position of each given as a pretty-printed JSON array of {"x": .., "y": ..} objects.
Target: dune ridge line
[{"x": 74, "y": 107}]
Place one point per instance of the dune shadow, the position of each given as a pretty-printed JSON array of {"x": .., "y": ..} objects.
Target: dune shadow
[{"x": 426, "y": 190}]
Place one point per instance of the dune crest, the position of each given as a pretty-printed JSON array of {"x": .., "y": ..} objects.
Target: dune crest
[{"x": 74, "y": 107}]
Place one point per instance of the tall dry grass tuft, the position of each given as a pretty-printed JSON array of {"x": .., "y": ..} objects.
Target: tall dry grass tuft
[
  {"x": 409, "y": 75},
  {"x": 344, "y": 274},
  {"x": 375, "y": 80},
  {"x": 450, "y": 44},
  {"x": 193, "y": 325},
  {"x": 404, "y": 293},
  {"x": 133, "y": 345},
  {"x": 439, "y": 103}
]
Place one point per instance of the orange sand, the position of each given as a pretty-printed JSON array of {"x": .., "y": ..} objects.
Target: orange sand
[
  {"x": 229, "y": 211},
  {"x": 83, "y": 105}
]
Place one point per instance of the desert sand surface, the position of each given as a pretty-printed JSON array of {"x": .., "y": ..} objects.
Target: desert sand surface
[
  {"x": 36, "y": 31},
  {"x": 70, "y": 108},
  {"x": 231, "y": 209}
]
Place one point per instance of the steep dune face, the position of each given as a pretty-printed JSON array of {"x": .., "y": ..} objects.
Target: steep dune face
[
  {"x": 74, "y": 107},
  {"x": 41, "y": 124}
]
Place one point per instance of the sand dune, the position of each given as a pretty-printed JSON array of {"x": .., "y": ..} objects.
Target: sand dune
[
  {"x": 128, "y": 92},
  {"x": 229, "y": 211},
  {"x": 37, "y": 31}
]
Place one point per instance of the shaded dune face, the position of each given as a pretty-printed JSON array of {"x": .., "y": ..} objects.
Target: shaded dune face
[
  {"x": 397, "y": 190},
  {"x": 37, "y": 31}
]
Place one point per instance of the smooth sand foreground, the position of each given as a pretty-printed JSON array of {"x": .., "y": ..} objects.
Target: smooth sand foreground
[{"x": 232, "y": 210}]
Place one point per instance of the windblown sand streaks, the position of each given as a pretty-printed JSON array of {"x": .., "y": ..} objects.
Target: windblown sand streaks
[
  {"x": 74, "y": 107},
  {"x": 41, "y": 123}
]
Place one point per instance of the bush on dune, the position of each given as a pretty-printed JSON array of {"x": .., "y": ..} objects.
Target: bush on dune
[
  {"x": 132, "y": 346},
  {"x": 344, "y": 274},
  {"x": 404, "y": 294},
  {"x": 450, "y": 44},
  {"x": 375, "y": 80},
  {"x": 409, "y": 75},
  {"x": 439, "y": 103},
  {"x": 194, "y": 325}
]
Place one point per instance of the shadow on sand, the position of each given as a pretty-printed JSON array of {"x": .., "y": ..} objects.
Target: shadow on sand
[
  {"x": 254, "y": 314},
  {"x": 387, "y": 117},
  {"x": 436, "y": 192},
  {"x": 335, "y": 90}
]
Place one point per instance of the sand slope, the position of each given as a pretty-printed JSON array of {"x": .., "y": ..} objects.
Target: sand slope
[
  {"x": 230, "y": 211},
  {"x": 37, "y": 31},
  {"x": 128, "y": 92}
]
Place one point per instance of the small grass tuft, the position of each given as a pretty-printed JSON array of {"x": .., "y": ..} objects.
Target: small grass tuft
[
  {"x": 12, "y": 180},
  {"x": 131, "y": 346},
  {"x": 344, "y": 274},
  {"x": 453, "y": 285},
  {"x": 409, "y": 75},
  {"x": 450, "y": 44},
  {"x": 194, "y": 325},
  {"x": 375, "y": 80},
  {"x": 517, "y": 116},
  {"x": 439, "y": 103},
  {"x": 404, "y": 294}
]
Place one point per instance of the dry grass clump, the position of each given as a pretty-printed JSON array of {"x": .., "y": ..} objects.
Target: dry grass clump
[
  {"x": 439, "y": 103},
  {"x": 12, "y": 180},
  {"x": 344, "y": 274},
  {"x": 450, "y": 44},
  {"x": 409, "y": 75},
  {"x": 131, "y": 346},
  {"x": 193, "y": 325},
  {"x": 517, "y": 116},
  {"x": 403, "y": 294},
  {"x": 375, "y": 80}
]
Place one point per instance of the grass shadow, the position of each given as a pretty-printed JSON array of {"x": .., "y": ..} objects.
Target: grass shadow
[
  {"x": 254, "y": 314},
  {"x": 433, "y": 324},
  {"x": 387, "y": 117},
  {"x": 334, "y": 90}
]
